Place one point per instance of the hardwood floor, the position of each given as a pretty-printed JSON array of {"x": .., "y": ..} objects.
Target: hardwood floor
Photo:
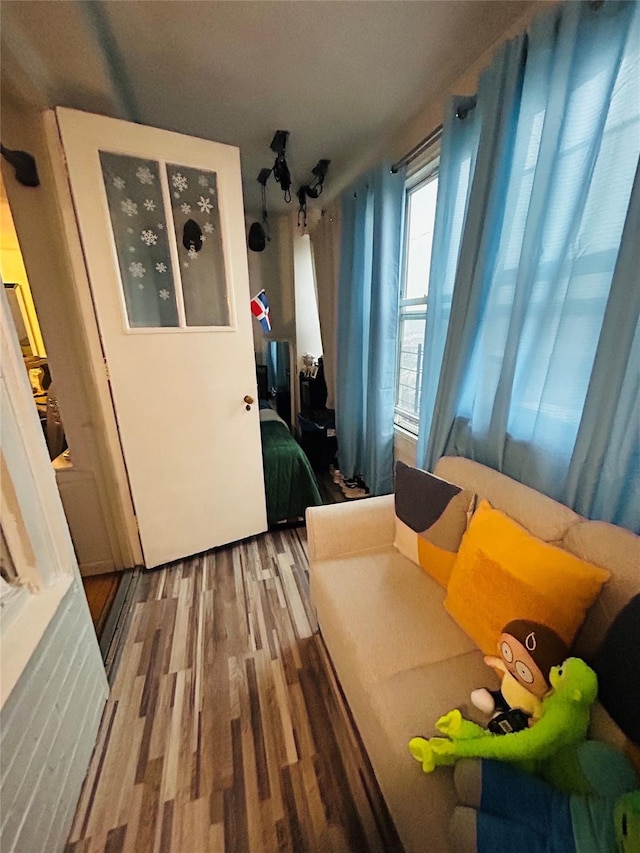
[
  {"x": 109, "y": 597},
  {"x": 330, "y": 492},
  {"x": 225, "y": 730},
  {"x": 101, "y": 591}
]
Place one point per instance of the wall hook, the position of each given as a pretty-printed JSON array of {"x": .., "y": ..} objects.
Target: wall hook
[{"x": 24, "y": 164}]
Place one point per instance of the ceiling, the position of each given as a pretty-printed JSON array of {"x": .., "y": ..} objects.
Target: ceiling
[{"x": 342, "y": 77}]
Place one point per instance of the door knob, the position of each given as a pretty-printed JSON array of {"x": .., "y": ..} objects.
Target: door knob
[{"x": 248, "y": 400}]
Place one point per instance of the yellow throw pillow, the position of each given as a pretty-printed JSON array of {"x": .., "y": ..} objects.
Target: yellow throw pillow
[
  {"x": 502, "y": 573},
  {"x": 431, "y": 518}
]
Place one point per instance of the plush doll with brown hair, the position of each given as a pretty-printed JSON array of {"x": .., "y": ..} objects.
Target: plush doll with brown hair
[{"x": 528, "y": 650}]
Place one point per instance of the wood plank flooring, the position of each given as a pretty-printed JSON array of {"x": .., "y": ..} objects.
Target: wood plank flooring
[
  {"x": 101, "y": 591},
  {"x": 225, "y": 729}
]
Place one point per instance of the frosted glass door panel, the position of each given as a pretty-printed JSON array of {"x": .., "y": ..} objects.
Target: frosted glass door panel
[
  {"x": 136, "y": 210},
  {"x": 196, "y": 217}
]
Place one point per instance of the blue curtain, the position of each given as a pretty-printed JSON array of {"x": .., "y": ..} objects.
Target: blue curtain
[
  {"x": 368, "y": 287},
  {"x": 604, "y": 475},
  {"x": 457, "y": 166},
  {"x": 538, "y": 377}
]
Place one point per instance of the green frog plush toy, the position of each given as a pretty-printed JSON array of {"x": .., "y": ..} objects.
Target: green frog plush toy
[
  {"x": 626, "y": 817},
  {"x": 564, "y": 720},
  {"x": 579, "y": 796},
  {"x": 585, "y": 795}
]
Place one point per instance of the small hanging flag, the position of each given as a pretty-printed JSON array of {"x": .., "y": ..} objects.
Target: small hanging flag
[{"x": 260, "y": 310}]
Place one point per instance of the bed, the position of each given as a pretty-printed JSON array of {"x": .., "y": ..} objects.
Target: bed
[{"x": 289, "y": 481}]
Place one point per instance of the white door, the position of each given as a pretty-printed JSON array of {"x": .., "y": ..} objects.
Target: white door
[{"x": 162, "y": 226}]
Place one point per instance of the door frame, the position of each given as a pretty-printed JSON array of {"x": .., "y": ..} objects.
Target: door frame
[
  {"x": 88, "y": 398},
  {"x": 118, "y": 489},
  {"x": 33, "y": 520}
]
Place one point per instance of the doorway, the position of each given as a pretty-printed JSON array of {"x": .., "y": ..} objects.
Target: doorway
[{"x": 83, "y": 514}]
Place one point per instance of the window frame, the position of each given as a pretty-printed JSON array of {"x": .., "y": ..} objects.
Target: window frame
[{"x": 422, "y": 172}]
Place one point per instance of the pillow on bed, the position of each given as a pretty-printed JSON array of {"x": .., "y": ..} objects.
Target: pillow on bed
[
  {"x": 431, "y": 518},
  {"x": 270, "y": 415}
]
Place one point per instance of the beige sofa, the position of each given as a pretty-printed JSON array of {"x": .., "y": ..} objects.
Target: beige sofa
[{"x": 402, "y": 660}]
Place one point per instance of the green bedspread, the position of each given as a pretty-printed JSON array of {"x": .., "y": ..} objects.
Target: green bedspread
[{"x": 290, "y": 483}]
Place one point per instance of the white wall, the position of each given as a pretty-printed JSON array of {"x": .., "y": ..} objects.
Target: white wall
[
  {"x": 48, "y": 728},
  {"x": 404, "y": 447},
  {"x": 268, "y": 270}
]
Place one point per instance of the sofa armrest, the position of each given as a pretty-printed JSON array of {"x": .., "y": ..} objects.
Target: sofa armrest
[{"x": 348, "y": 528}]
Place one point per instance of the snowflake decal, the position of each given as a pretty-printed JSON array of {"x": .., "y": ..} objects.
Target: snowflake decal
[
  {"x": 208, "y": 227},
  {"x": 179, "y": 182},
  {"x": 164, "y": 293},
  {"x": 185, "y": 263},
  {"x": 204, "y": 238},
  {"x": 161, "y": 225},
  {"x": 132, "y": 248},
  {"x": 137, "y": 270},
  {"x": 161, "y": 267},
  {"x": 185, "y": 208},
  {"x": 212, "y": 191},
  {"x": 119, "y": 183},
  {"x": 129, "y": 230},
  {"x": 140, "y": 286},
  {"x": 149, "y": 204},
  {"x": 145, "y": 175},
  {"x": 203, "y": 181},
  {"x": 149, "y": 238},
  {"x": 129, "y": 207},
  {"x": 192, "y": 253},
  {"x": 205, "y": 204}
]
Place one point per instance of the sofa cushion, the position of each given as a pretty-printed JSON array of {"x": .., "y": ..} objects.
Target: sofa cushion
[
  {"x": 540, "y": 515},
  {"x": 431, "y": 518},
  {"x": 387, "y": 612},
  {"x": 406, "y": 705},
  {"x": 503, "y": 573},
  {"x": 349, "y": 527}
]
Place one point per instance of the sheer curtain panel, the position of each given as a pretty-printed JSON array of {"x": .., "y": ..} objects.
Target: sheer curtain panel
[
  {"x": 325, "y": 246},
  {"x": 539, "y": 375},
  {"x": 372, "y": 214}
]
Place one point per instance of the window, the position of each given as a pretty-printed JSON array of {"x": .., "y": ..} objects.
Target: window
[
  {"x": 421, "y": 193},
  {"x": 570, "y": 277},
  {"x": 167, "y": 231}
]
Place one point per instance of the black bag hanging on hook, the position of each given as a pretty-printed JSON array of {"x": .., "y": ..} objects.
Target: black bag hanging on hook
[
  {"x": 259, "y": 231},
  {"x": 257, "y": 238}
]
